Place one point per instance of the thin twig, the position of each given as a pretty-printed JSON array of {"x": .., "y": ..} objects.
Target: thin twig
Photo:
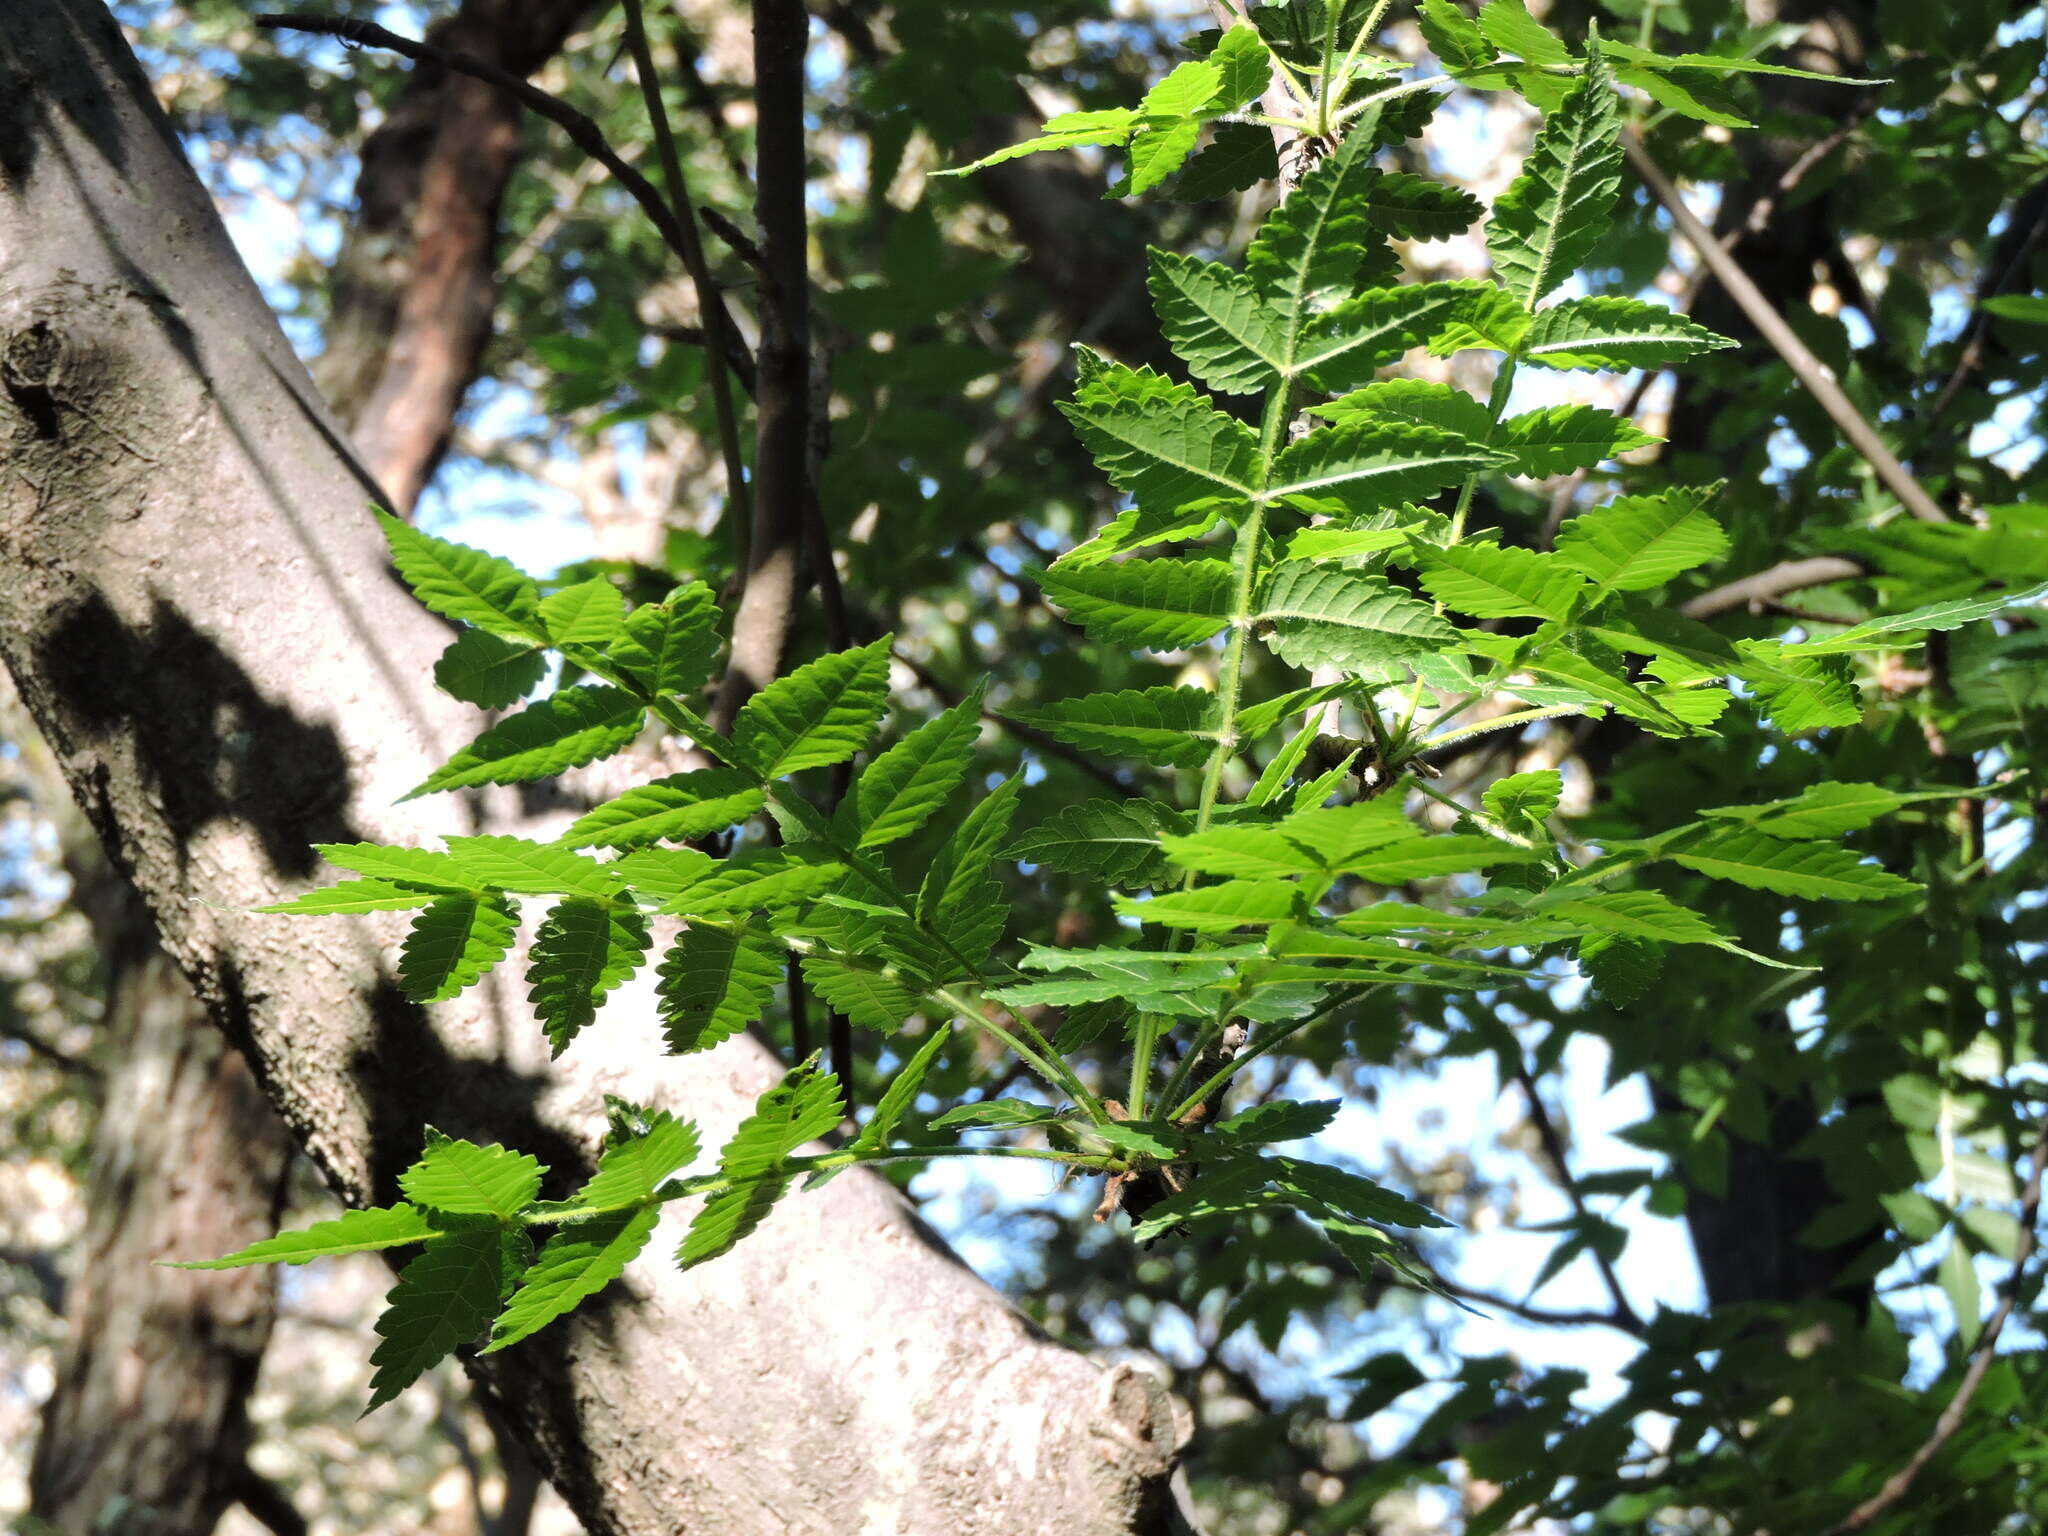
[
  {"x": 1811, "y": 372},
  {"x": 1900, "y": 1482},
  {"x": 1990, "y": 285},
  {"x": 710, "y": 305},
  {"x": 1625, "y": 1316}
]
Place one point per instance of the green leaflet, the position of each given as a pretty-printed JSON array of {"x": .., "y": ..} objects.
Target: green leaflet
[
  {"x": 365, "y": 1231},
  {"x": 1116, "y": 841},
  {"x": 802, "y": 1107},
  {"x": 1160, "y": 442},
  {"x": 902, "y": 789},
  {"x": 1509, "y": 27},
  {"x": 1883, "y": 633},
  {"x": 1279, "y": 1120},
  {"x": 995, "y": 1112},
  {"x": 818, "y": 715},
  {"x": 1608, "y": 332},
  {"x": 488, "y": 670},
  {"x": 1074, "y": 991},
  {"x": 1373, "y": 464},
  {"x": 1558, "y": 439},
  {"x": 463, "y": 1179},
  {"x": 1343, "y": 347},
  {"x": 1496, "y": 581},
  {"x": 1413, "y": 208},
  {"x": 407, "y": 866},
  {"x": 356, "y": 897},
  {"x": 768, "y": 880},
  {"x": 902, "y": 1090},
  {"x": 1452, "y": 37},
  {"x": 1239, "y": 157},
  {"x": 1218, "y": 908},
  {"x": 714, "y": 982},
  {"x": 1639, "y": 542},
  {"x": 1218, "y": 322},
  {"x": 572, "y": 1266},
  {"x": 1493, "y": 321},
  {"x": 1322, "y": 616},
  {"x": 1443, "y": 406},
  {"x": 1809, "y": 871},
  {"x": 870, "y": 996},
  {"x": 677, "y": 809},
  {"x": 1255, "y": 853},
  {"x": 1549, "y": 220},
  {"x": 1310, "y": 249},
  {"x": 452, "y": 943},
  {"x": 590, "y": 616},
  {"x": 1644, "y": 916},
  {"x": 1826, "y": 809},
  {"x": 668, "y": 648},
  {"x": 1069, "y": 130},
  {"x": 1160, "y": 605},
  {"x": 465, "y": 584},
  {"x": 1801, "y": 693},
  {"x": 1155, "y": 725},
  {"x": 1135, "y": 528},
  {"x": 1432, "y": 858},
  {"x": 565, "y": 730},
  {"x": 632, "y": 1169},
  {"x": 959, "y": 899},
  {"x": 1524, "y": 801},
  {"x": 443, "y": 1298},
  {"x": 584, "y": 950},
  {"x": 523, "y": 868}
]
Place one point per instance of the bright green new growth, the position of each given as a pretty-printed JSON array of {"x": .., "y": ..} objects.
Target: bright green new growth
[{"x": 1260, "y": 907}]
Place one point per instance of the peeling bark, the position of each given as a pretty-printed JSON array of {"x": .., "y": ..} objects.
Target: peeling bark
[
  {"x": 197, "y": 611},
  {"x": 415, "y": 282}
]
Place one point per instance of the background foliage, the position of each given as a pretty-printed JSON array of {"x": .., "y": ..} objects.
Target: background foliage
[{"x": 1835, "y": 1154}]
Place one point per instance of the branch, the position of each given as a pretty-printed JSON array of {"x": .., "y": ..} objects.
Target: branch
[
  {"x": 767, "y": 602},
  {"x": 1787, "y": 576},
  {"x": 1811, "y": 372},
  {"x": 1625, "y": 1316},
  {"x": 718, "y": 328},
  {"x": 584, "y": 133},
  {"x": 1896, "y": 1486}
]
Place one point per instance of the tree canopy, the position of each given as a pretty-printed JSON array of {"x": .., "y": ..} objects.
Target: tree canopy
[{"x": 1396, "y": 648}]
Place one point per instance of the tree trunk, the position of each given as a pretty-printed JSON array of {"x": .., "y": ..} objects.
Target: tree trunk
[
  {"x": 198, "y": 613},
  {"x": 415, "y": 282},
  {"x": 147, "y": 1429}
]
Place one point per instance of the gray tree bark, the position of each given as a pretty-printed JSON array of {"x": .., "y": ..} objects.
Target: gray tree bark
[{"x": 196, "y": 608}]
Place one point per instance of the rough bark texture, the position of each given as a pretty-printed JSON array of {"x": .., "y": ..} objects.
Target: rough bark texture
[
  {"x": 196, "y": 609},
  {"x": 415, "y": 282},
  {"x": 147, "y": 1429}
]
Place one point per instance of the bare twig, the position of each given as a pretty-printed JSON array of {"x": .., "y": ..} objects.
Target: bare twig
[
  {"x": 1811, "y": 372},
  {"x": 1900, "y": 1482},
  {"x": 1764, "y": 586},
  {"x": 1625, "y": 1316}
]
